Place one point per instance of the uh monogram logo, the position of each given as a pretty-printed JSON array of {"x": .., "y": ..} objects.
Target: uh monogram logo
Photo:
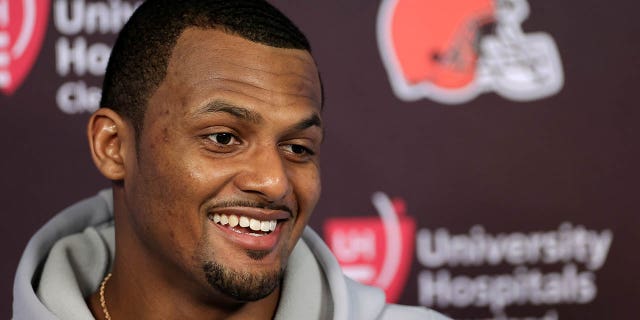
[
  {"x": 375, "y": 250},
  {"x": 22, "y": 27}
]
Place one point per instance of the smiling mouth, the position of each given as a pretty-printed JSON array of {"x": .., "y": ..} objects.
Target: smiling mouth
[{"x": 245, "y": 225}]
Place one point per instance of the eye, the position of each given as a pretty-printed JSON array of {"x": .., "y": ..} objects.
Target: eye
[
  {"x": 222, "y": 138},
  {"x": 298, "y": 150}
]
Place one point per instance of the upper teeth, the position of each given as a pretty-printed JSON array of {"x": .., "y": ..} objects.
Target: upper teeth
[{"x": 254, "y": 224}]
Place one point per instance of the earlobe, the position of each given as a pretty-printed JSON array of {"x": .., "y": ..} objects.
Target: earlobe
[{"x": 108, "y": 134}]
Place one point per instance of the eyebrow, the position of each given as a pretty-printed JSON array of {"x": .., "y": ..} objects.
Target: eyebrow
[
  {"x": 238, "y": 112},
  {"x": 251, "y": 116},
  {"x": 314, "y": 120}
]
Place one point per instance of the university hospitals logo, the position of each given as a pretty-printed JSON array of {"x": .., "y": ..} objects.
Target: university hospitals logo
[
  {"x": 376, "y": 250},
  {"x": 450, "y": 51},
  {"x": 22, "y": 27}
]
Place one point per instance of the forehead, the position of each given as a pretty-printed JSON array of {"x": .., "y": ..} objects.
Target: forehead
[{"x": 208, "y": 60}]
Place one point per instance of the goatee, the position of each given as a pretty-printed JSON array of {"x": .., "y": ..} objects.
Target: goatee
[{"x": 242, "y": 286}]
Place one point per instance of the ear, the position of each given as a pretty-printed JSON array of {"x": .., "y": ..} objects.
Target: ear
[{"x": 108, "y": 135}]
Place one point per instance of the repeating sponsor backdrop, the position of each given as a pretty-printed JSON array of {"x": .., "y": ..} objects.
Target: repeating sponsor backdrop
[{"x": 481, "y": 156}]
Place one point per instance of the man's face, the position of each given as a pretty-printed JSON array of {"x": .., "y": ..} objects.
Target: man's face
[{"x": 231, "y": 137}]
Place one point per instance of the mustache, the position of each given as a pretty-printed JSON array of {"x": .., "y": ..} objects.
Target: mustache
[{"x": 250, "y": 204}]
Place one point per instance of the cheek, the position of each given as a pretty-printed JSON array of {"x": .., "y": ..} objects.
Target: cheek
[
  {"x": 168, "y": 199},
  {"x": 306, "y": 184},
  {"x": 306, "y": 188},
  {"x": 172, "y": 169}
]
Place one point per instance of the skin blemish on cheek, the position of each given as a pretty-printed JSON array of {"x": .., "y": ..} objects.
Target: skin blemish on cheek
[{"x": 165, "y": 134}]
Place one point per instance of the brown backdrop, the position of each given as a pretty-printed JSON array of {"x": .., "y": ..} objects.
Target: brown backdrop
[{"x": 561, "y": 168}]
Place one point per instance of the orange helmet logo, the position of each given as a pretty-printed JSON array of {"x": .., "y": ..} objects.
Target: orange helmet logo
[{"x": 452, "y": 50}]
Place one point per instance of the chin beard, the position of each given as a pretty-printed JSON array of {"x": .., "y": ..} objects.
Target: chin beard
[{"x": 241, "y": 286}]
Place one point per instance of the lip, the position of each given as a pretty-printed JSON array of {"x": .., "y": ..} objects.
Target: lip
[{"x": 266, "y": 242}]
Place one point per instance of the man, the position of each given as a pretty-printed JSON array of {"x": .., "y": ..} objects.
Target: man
[{"x": 210, "y": 130}]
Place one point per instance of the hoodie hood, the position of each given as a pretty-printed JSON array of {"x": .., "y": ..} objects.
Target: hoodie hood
[
  {"x": 67, "y": 258},
  {"x": 89, "y": 212}
]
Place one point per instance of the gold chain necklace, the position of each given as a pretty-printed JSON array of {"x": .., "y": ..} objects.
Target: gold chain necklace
[{"x": 103, "y": 301}]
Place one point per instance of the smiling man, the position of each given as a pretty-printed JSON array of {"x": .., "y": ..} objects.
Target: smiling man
[{"x": 210, "y": 131}]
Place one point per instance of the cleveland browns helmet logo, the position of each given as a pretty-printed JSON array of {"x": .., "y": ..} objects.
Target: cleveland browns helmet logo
[{"x": 450, "y": 51}]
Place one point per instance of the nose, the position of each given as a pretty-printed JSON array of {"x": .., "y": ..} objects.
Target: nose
[{"x": 265, "y": 174}]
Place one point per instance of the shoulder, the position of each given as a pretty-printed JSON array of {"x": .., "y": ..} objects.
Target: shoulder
[
  {"x": 67, "y": 232},
  {"x": 369, "y": 303},
  {"x": 353, "y": 300}
]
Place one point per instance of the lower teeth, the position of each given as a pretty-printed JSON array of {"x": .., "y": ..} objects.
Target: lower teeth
[{"x": 255, "y": 233}]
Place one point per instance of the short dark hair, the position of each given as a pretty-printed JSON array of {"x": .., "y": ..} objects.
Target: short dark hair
[{"x": 140, "y": 56}]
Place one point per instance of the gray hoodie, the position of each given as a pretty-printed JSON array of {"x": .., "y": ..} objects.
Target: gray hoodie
[{"x": 65, "y": 261}]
